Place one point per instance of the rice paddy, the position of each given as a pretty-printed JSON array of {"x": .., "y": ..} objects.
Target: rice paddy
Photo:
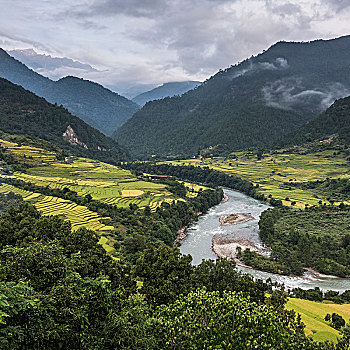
[
  {"x": 78, "y": 215},
  {"x": 32, "y": 155},
  {"x": 274, "y": 172},
  {"x": 104, "y": 182}
]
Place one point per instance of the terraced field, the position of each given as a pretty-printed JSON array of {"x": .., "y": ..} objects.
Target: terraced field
[
  {"x": 78, "y": 215},
  {"x": 29, "y": 153},
  {"x": 312, "y": 315},
  {"x": 274, "y": 172},
  {"x": 103, "y": 182}
]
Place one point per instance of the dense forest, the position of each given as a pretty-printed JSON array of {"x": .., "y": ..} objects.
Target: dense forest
[
  {"x": 22, "y": 112},
  {"x": 333, "y": 123},
  {"x": 247, "y": 105},
  {"x": 99, "y": 107},
  {"x": 60, "y": 290}
]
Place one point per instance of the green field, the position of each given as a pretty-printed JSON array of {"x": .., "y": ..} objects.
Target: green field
[
  {"x": 312, "y": 315},
  {"x": 104, "y": 182},
  {"x": 274, "y": 172}
]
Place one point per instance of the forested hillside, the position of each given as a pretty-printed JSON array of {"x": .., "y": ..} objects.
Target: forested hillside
[
  {"x": 334, "y": 122},
  {"x": 22, "y": 112},
  {"x": 248, "y": 105},
  {"x": 101, "y": 108}
]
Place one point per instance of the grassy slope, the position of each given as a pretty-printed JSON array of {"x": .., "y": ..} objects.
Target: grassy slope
[
  {"x": 275, "y": 171},
  {"x": 313, "y": 313}
]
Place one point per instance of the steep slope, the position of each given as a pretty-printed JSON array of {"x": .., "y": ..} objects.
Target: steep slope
[
  {"x": 22, "y": 112},
  {"x": 165, "y": 90},
  {"x": 334, "y": 121},
  {"x": 248, "y": 105},
  {"x": 98, "y": 106}
]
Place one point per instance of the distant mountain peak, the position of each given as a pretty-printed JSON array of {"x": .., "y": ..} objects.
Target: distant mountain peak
[{"x": 165, "y": 90}]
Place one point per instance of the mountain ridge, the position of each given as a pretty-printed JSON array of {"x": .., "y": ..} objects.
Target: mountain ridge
[
  {"x": 165, "y": 90},
  {"x": 333, "y": 123},
  {"x": 250, "y": 104},
  {"x": 97, "y": 105}
]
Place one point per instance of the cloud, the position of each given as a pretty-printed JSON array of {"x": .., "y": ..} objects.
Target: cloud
[
  {"x": 47, "y": 63},
  {"x": 150, "y": 41},
  {"x": 337, "y": 5},
  {"x": 289, "y": 93},
  {"x": 134, "y": 8},
  {"x": 13, "y": 39}
]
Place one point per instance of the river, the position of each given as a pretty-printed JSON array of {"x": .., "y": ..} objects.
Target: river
[{"x": 199, "y": 240}]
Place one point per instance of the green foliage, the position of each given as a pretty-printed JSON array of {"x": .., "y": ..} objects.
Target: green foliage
[
  {"x": 165, "y": 272},
  {"x": 26, "y": 317},
  {"x": 221, "y": 275},
  {"x": 316, "y": 237},
  {"x": 336, "y": 320},
  {"x": 9, "y": 200},
  {"x": 207, "y": 320}
]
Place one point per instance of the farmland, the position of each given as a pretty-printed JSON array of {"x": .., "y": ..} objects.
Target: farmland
[
  {"x": 31, "y": 155},
  {"x": 103, "y": 182},
  {"x": 312, "y": 315},
  {"x": 276, "y": 172},
  {"x": 78, "y": 215}
]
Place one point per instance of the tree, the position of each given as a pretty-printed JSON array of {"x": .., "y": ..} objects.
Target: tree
[
  {"x": 337, "y": 322},
  {"x": 206, "y": 320},
  {"x": 165, "y": 273}
]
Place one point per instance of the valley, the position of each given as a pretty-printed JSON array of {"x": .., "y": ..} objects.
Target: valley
[{"x": 196, "y": 216}]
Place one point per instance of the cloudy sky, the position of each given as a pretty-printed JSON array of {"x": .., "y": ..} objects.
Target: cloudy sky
[{"x": 155, "y": 41}]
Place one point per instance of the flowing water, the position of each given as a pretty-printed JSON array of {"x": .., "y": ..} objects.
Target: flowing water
[{"x": 199, "y": 240}]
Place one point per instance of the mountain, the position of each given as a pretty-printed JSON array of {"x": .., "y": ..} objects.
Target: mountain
[
  {"x": 131, "y": 90},
  {"x": 334, "y": 121},
  {"x": 103, "y": 109},
  {"x": 22, "y": 112},
  {"x": 98, "y": 106},
  {"x": 247, "y": 105},
  {"x": 165, "y": 90}
]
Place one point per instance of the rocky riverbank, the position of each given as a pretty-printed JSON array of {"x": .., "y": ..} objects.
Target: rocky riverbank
[{"x": 224, "y": 245}]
